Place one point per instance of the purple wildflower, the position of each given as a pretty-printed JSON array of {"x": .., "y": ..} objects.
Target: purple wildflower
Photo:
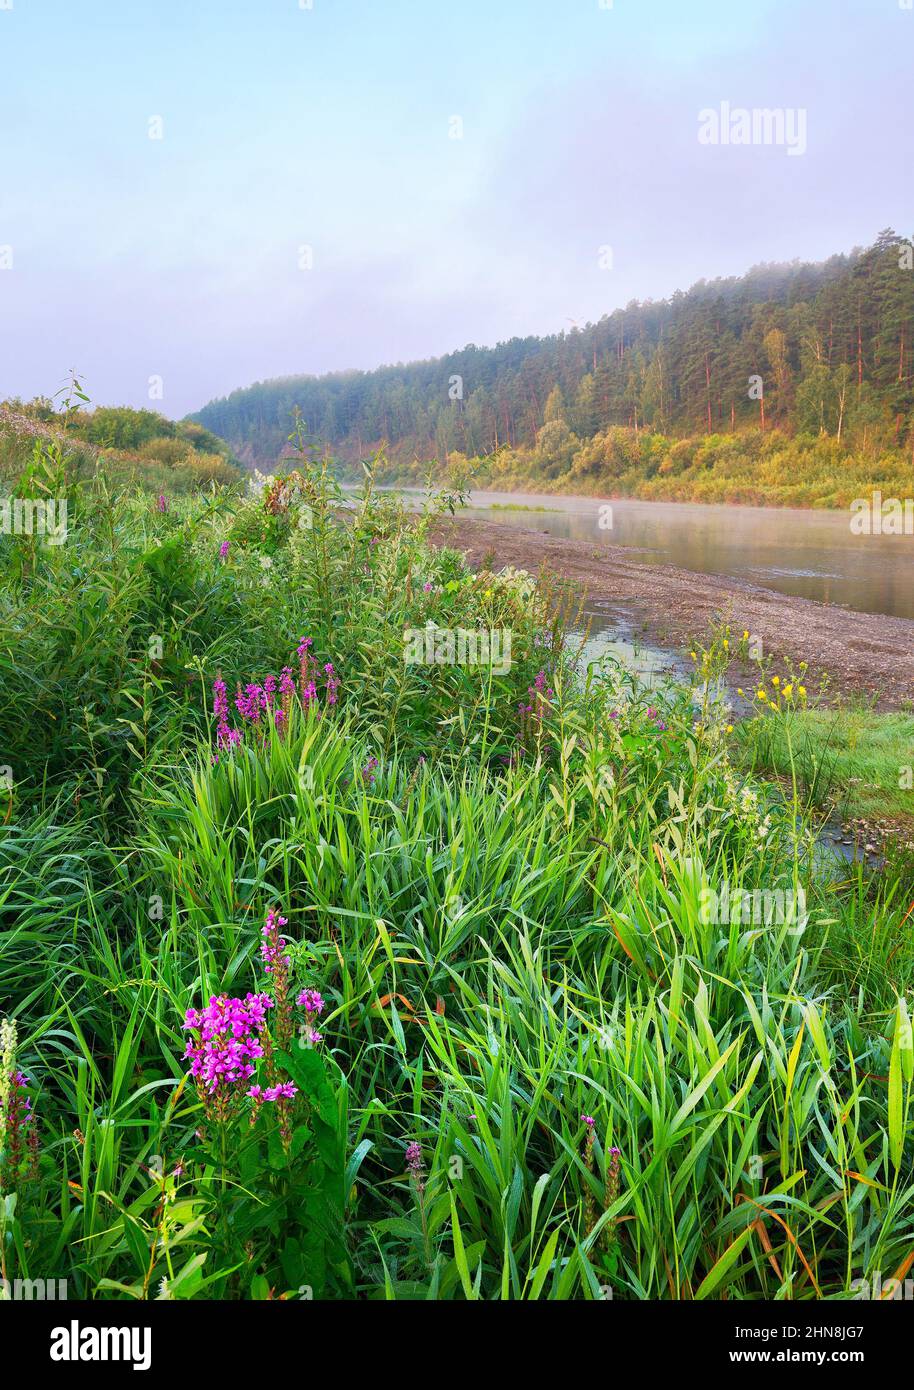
[
  {"x": 312, "y": 1001},
  {"x": 226, "y": 1046},
  {"x": 226, "y": 736}
]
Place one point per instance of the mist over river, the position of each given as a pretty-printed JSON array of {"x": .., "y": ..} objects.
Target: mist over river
[{"x": 806, "y": 553}]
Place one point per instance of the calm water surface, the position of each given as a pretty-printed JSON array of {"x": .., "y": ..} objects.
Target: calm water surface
[{"x": 810, "y": 554}]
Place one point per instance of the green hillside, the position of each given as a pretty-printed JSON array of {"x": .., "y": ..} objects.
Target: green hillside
[{"x": 821, "y": 354}]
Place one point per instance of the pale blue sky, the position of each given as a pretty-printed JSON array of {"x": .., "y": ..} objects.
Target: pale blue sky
[{"x": 284, "y": 127}]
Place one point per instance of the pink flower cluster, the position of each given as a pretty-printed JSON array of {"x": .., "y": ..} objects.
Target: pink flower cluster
[
  {"x": 18, "y": 1133},
  {"x": 532, "y": 712},
  {"x": 230, "y": 1036},
  {"x": 313, "y": 1004},
  {"x": 283, "y": 1091},
  {"x": 224, "y": 1049},
  {"x": 226, "y": 736},
  {"x": 259, "y": 705},
  {"x": 227, "y": 1042},
  {"x": 272, "y": 948}
]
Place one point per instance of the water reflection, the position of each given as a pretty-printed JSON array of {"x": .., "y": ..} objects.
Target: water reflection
[{"x": 810, "y": 554}]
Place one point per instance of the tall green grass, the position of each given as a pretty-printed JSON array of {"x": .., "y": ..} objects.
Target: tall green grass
[{"x": 508, "y": 938}]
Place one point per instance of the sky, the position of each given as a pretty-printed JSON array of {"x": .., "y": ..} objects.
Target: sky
[{"x": 200, "y": 194}]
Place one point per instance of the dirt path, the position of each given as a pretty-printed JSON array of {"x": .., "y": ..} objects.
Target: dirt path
[{"x": 864, "y": 654}]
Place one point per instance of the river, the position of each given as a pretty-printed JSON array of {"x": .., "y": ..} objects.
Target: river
[{"x": 810, "y": 554}]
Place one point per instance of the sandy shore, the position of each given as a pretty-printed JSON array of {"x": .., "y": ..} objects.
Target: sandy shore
[{"x": 865, "y": 654}]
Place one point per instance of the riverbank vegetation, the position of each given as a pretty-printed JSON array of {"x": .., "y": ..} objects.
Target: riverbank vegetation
[
  {"x": 753, "y": 468},
  {"x": 342, "y": 973},
  {"x": 855, "y": 761},
  {"x": 141, "y": 448},
  {"x": 791, "y": 385}
]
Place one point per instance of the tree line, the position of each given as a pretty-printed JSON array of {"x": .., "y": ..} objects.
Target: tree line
[{"x": 813, "y": 349}]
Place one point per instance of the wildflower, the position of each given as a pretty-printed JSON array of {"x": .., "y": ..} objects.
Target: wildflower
[
  {"x": 368, "y": 772},
  {"x": 590, "y": 1211},
  {"x": 761, "y": 695},
  {"x": 286, "y": 690},
  {"x": 801, "y": 690},
  {"x": 738, "y": 690},
  {"x": 415, "y": 1166},
  {"x": 788, "y": 691},
  {"x": 161, "y": 504},
  {"x": 729, "y": 728},
  {"x": 226, "y": 736},
  {"x": 252, "y": 703},
  {"x": 226, "y": 1045},
  {"x": 610, "y": 1195},
  {"x": 224, "y": 550},
  {"x": 427, "y": 586},
  {"x": 775, "y": 680},
  {"x": 746, "y": 636},
  {"x": 307, "y": 667},
  {"x": 312, "y": 1001},
  {"x": 284, "y": 1090},
  {"x": 276, "y": 964},
  {"x": 333, "y": 683},
  {"x": 18, "y": 1126}
]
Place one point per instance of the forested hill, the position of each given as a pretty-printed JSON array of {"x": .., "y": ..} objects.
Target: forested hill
[{"x": 833, "y": 344}]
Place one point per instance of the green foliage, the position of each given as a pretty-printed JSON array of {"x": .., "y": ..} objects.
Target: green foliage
[
  {"x": 505, "y": 919},
  {"x": 831, "y": 343},
  {"x": 132, "y": 447}
]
